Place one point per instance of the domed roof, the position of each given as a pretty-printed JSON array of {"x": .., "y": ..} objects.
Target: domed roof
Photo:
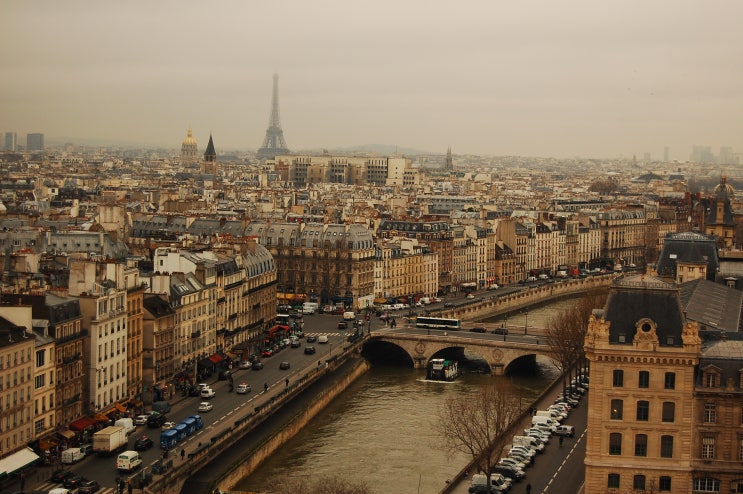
[
  {"x": 724, "y": 189},
  {"x": 189, "y": 140}
]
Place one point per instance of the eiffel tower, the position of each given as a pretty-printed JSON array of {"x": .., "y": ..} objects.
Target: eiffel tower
[{"x": 274, "y": 143}]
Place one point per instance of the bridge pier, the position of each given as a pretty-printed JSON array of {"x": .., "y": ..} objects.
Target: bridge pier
[
  {"x": 497, "y": 368},
  {"x": 420, "y": 362}
]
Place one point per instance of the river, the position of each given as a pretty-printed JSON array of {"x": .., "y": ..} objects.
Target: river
[{"x": 381, "y": 431}]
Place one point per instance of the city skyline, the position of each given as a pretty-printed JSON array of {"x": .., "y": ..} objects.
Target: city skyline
[{"x": 535, "y": 79}]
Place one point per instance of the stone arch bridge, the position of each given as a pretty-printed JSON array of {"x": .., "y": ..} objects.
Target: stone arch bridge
[{"x": 497, "y": 353}]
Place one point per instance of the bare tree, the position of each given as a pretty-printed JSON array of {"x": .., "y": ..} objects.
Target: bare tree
[
  {"x": 322, "y": 485},
  {"x": 475, "y": 425},
  {"x": 566, "y": 333}
]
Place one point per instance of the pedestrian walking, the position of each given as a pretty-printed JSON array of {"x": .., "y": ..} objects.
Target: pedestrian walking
[
  {"x": 265, "y": 386},
  {"x": 287, "y": 382},
  {"x": 183, "y": 454},
  {"x": 528, "y": 488}
]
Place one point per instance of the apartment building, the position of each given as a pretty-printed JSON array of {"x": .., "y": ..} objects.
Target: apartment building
[
  {"x": 404, "y": 269},
  {"x": 643, "y": 354},
  {"x": 327, "y": 263},
  {"x": 17, "y": 378}
]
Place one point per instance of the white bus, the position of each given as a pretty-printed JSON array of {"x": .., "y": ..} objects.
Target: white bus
[{"x": 438, "y": 323}]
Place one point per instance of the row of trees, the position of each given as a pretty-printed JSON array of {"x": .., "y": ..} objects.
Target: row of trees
[{"x": 477, "y": 426}]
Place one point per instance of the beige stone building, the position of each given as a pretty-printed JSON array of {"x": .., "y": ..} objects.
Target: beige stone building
[
  {"x": 643, "y": 354},
  {"x": 17, "y": 376},
  {"x": 404, "y": 268}
]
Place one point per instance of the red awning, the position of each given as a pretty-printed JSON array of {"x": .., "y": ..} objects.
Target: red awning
[
  {"x": 216, "y": 358},
  {"x": 80, "y": 424}
]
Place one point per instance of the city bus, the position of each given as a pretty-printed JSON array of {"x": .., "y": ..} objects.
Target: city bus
[
  {"x": 283, "y": 319},
  {"x": 438, "y": 323}
]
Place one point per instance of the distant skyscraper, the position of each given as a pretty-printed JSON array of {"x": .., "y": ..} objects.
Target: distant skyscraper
[
  {"x": 11, "y": 141},
  {"x": 188, "y": 149},
  {"x": 34, "y": 142},
  {"x": 273, "y": 143}
]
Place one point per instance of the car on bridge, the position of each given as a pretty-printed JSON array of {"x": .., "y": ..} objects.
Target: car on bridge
[
  {"x": 478, "y": 329},
  {"x": 502, "y": 331}
]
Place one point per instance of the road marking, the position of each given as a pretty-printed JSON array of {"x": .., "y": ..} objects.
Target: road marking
[{"x": 572, "y": 449}]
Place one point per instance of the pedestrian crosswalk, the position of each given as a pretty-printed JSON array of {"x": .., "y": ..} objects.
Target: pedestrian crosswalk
[{"x": 48, "y": 486}]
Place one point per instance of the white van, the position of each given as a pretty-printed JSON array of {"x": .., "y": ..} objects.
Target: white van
[
  {"x": 72, "y": 455},
  {"x": 127, "y": 424},
  {"x": 545, "y": 421},
  {"x": 529, "y": 442},
  {"x": 128, "y": 461},
  {"x": 548, "y": 413},
  {"x": 59, "y": 490},
  {"x": 349, "y": 316}
]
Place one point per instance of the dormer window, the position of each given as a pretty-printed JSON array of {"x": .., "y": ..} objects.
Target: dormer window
[{"x": 711, "y": 380}]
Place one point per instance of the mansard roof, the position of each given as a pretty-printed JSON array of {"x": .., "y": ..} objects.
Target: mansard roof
[
  {"x": 712, "y": 305},
  {"x": 688, "y": 247},
  {"x": 634, "y": 298}
]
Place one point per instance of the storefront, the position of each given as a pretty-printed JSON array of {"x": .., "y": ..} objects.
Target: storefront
[{"x": 17, "y": 461}]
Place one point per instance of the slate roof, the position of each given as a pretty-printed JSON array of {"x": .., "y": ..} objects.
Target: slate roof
[
  {"x": 712, "y": 305},
  {"x": 688, "y": 247},
  {"x": 725, "y": 355},
  {"x": 632, "y": 298}
]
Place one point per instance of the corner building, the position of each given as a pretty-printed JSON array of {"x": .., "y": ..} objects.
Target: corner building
[{"x": 643, "y": 355}]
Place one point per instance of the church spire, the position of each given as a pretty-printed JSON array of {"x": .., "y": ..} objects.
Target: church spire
[{"x": 210, "y": 154}]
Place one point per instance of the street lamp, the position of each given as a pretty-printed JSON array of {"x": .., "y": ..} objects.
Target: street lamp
[{"x": 526, "y": 320}]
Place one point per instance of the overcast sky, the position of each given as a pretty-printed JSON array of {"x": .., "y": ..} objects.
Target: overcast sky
[{"x": 533, "y": 78}]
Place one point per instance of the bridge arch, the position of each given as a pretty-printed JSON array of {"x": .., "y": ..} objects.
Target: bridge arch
[{"x": 498, "y": 355}]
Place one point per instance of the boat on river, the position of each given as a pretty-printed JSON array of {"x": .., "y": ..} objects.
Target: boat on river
[{"x": 440, "y": 369}]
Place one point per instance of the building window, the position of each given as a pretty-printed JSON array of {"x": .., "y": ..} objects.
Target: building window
[
  {"x": 40, "y": 358},
  {"x": 736, "y": 485},
  {"x": 643, "y": 410},
  {"x": 664, "y": 484},
  {"x": 710, "y": 413},
  {"x": 708, "y": 447},
  {"x": 740, "y": 449},
  {"x": 643, "y": 379},
  {"x": 641, "y": 445},
  {"x": 666, "y": 446},
  {"x": 710, "y": 380},
  {"x": 612, "y": 481},
  {"x": 707, "y": 484},
  {"x": 670, "y": 380},
  {"x": 615, "y": 443},
  {"x": 618, "y": 378},
  {"x": 669, "y": 411},
  {"x": 638, "y": 482},
  {"x": 617, "y": 409}
]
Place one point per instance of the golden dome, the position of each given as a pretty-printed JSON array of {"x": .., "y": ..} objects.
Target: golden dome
[{"x": 189, "y": 140}]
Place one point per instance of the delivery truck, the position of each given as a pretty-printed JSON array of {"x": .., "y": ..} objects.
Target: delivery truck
[
  {"x": 109, "y": 440},
  {"x": 72, "y": 455}
]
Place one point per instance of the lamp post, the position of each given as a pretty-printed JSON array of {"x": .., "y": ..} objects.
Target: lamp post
[{"x": 526, "y": 320}]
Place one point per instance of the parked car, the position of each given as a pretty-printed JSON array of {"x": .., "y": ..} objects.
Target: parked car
[
  {"x": 478, "y": 329},
  {"x": 86, "y": 449},
  {"x": 565, "y": 430},
  {"x": 205, "y": 406},
  {"x": 143, "y": 443},
  {"x": 208, "y": 393},
  {"x": 73, "y": 481},
  {"x": 245, "y": 364},
  {"x": 88, "y": 487},
  {"x": 59, "y": 476},
  {"x": 243, "y": 388},
  {"x": 140, "y": 420},
  {"x": 309, "y": 350},
  {"x": 284, "y": 365}
]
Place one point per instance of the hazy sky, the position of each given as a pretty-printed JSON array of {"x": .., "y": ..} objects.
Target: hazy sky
[{"x": 534, "y": 78}]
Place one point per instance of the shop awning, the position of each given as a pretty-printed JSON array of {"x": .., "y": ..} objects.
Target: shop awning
[
  {"x": 216, "y": 358},
  {"x": 66, "y": 434},
  {"x": 100, "y": 417},
  {"x": 120, "y": 407},
  {"x": 16, "y": 461},
  {"x": 205, "y": 363},
  {"x": 83, "y": 423}
]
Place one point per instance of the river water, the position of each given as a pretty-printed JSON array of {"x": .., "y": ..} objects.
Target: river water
[{"x": 381, "y": 430}]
